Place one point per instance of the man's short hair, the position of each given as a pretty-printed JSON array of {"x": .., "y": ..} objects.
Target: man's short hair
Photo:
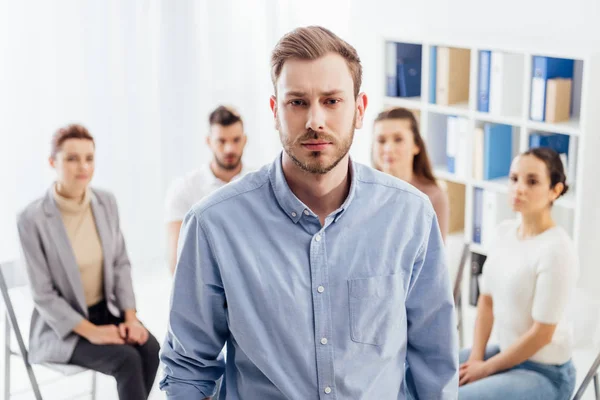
[
  {"x": 311, "y": 43},
  {"x": 224, "y": 116}
]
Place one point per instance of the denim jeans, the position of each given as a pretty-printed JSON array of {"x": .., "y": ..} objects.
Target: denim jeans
[{"x": 527, "y": 381}]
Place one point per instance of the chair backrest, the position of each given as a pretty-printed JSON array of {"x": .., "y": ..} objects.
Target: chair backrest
[{"x": 456, "y": 292}]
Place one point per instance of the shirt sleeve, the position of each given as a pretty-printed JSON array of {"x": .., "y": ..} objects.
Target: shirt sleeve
[
  {"x": 176, "y": 203},
  {"x": 432, "y": 348},
  {"x": 556, "y": 277},
  {"x": 197, "y": 319}
]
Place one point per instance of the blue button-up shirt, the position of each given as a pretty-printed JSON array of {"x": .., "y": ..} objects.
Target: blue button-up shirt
[{"x": 311, "y": 311}]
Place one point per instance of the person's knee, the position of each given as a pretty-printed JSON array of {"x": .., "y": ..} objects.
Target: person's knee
[
  {"x": 151, "y": 348},
  {"x": 153, "y": 345},
  {"x": 463, "y": 355},
  {"x": 129, "y": 362}
]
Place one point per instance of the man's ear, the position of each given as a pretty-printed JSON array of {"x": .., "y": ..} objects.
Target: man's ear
[
  {"x": 273, "y": 105},
  {"x": 361, "y": 106}
]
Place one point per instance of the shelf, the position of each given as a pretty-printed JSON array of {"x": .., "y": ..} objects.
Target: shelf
[
  {"x": 497, "y": 119},
  {"x": 460, "y": 109},
  {"x": 499, "y": 185},
  {"x": 570, "y": 127},
  {"x": 406, "y": 102},
  {"x": 441, "y": 172}
]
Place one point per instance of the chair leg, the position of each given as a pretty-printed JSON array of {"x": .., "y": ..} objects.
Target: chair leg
[
  {"x": 94, "y": 385},
  {"x": 7, "y": 356},
  {"x": 461, "y": 334},
  {"x": 11, "y": 318},
  {"x": 597, "y": 386}
]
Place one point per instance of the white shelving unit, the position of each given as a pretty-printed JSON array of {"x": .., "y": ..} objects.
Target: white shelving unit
[{"x": 579, "y": 210}]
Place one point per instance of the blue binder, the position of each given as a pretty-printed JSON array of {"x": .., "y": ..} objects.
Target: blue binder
[
  {"x": 409, "y": 75},
  {"x": 497, "y": 150},
  {"x": 477, "y": 214},
  {"x": 409, "y": 65},
  {"x": 545, "y": 68},
  {"x": 432, "y": 73},
  {"x": 483, "y": 98},
  {"x": 557, "y": 141}
]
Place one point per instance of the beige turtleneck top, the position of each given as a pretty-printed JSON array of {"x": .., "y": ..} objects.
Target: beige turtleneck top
[{"x": 81, "y": 229}]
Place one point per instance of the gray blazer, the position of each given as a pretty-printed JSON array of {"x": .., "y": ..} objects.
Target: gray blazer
[{"x": 54, "y": 274}]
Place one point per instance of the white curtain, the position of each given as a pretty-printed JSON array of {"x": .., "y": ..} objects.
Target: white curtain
[{"x": 142, "y": 76}]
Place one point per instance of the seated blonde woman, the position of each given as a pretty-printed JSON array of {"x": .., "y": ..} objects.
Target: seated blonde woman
[{"x": 85, "y": 309}]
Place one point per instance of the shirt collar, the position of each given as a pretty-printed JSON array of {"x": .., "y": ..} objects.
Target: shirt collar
[
  {"x": 291, "y": 205},
  {"x": 212, "y": 179}
]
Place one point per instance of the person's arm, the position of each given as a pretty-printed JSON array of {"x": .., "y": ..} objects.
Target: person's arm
[
  {"x": 53, "y": 308},
  {"x": 556, "y": 274},
  {"x": 432, "y": 348},
  {"x": 483, "y": 327},
  {"x": 538, "y": 336},
  {"x": 122, "y": 268},
  {"x": 173, "y": 229},
  {"x": 197, "y": 318},
  {"x": 176, "y": 207}
]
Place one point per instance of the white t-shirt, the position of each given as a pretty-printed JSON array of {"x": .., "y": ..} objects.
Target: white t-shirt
[
  {"x": 531, "y": 280},
  {"x": 190, "y": 189}
]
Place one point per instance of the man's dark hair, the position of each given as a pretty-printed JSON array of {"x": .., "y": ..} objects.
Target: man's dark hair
[{"x": 224, "y": 116}]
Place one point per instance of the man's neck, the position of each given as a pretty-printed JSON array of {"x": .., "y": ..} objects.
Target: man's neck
[
  {"x": 223, "y": 174},
  {"x": 322, "y": 193}
]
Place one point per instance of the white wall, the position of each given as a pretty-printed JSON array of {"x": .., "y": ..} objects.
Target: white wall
[{"x": 143, "y": 76}]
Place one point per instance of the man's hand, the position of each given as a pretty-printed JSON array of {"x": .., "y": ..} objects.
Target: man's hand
[{"x": 472, "y": 371}]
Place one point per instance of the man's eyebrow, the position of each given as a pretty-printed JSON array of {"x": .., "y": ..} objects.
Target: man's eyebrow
[{"x": 299, "y": 93}]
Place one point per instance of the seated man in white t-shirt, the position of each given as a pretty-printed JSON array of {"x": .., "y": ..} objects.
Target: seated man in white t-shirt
[{"x": 226, "y": 140}]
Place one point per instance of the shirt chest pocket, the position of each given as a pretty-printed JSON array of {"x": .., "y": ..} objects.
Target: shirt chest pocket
[{"x": 377, "y": 308}]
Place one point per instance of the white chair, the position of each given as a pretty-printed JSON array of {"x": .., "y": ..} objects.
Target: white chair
[
  {"x": 11, "y": 284},
  {"x": 457, "y": 292}
]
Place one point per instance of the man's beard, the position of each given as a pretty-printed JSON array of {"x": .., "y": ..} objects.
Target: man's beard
[
  {"x": 228, "y": 166},
  {"x": 341, "y": 149}
]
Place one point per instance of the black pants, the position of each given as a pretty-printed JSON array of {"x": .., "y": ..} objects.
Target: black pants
[{"x": 133, "y": 366}]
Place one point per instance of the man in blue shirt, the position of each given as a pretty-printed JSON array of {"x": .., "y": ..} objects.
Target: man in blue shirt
[{"x": 322, "y": 276}]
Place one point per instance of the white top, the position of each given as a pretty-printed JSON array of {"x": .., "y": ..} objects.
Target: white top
[
  {"x": 531, "y": 280},
  {"x": 190, "y": 189}
]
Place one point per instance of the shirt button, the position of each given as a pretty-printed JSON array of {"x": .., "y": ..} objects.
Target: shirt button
[
  {"x": 318, "y": 238},
  {"x": 294, "y": 214},
  {"x": 320, "y": 289},
  {"x": 306, "y": 212},
  {"x": 324, "y": 341},
  {"x": 327, "y": 390}
]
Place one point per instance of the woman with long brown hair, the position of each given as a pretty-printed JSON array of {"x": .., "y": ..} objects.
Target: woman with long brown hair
[{"x": 399, "y": 150}]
